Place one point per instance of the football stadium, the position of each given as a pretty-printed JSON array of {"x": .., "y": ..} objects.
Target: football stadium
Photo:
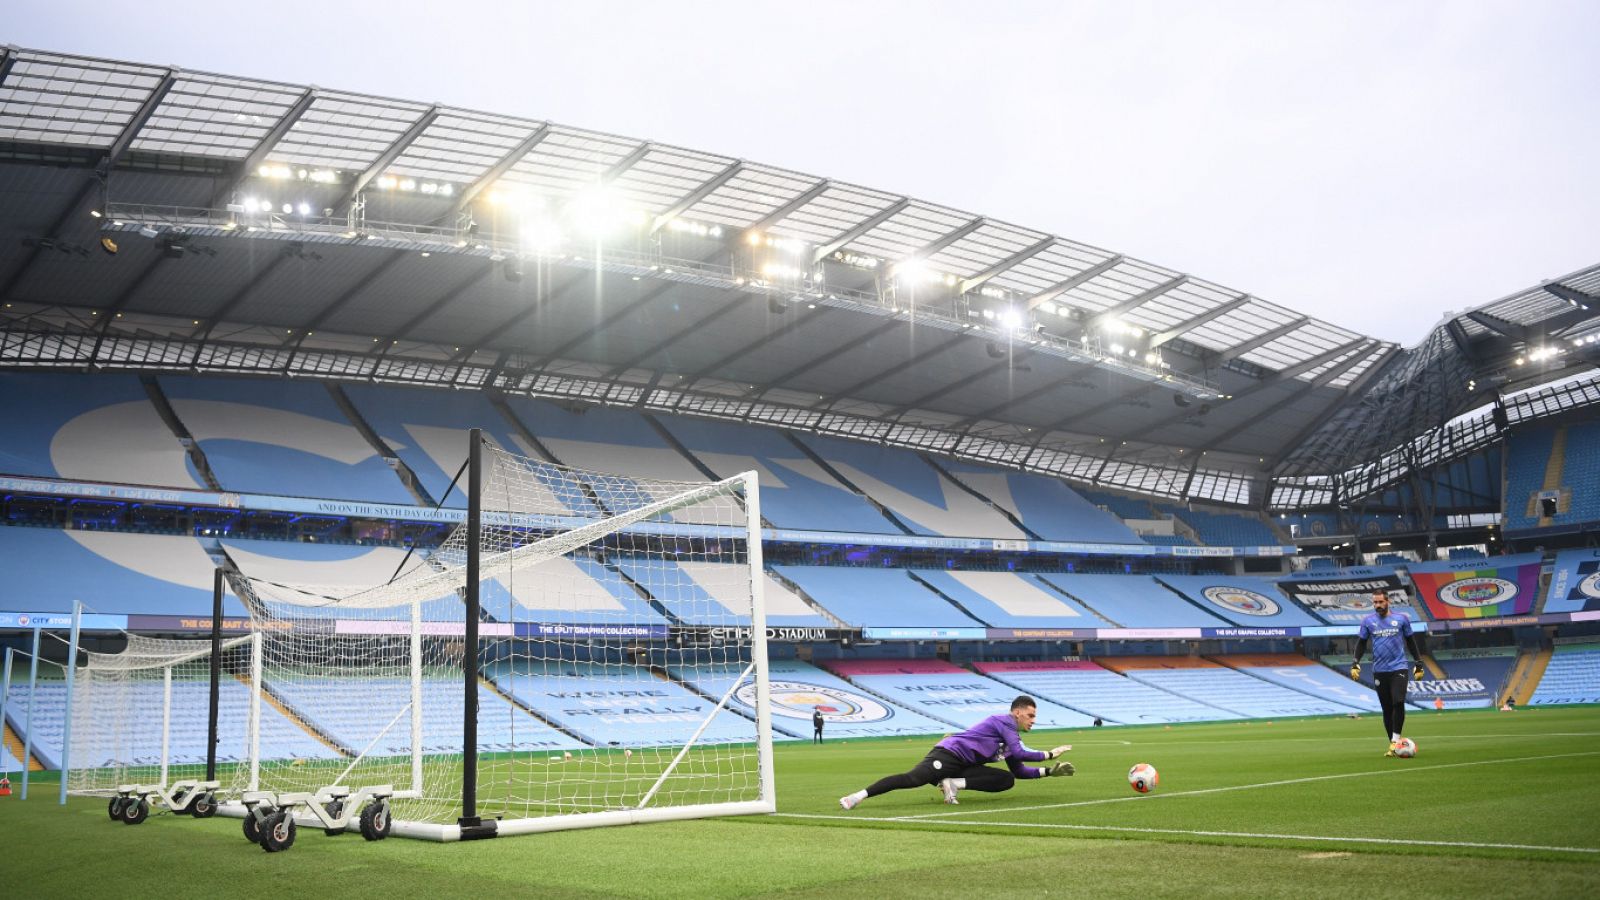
[{"x": 432, "y": 500}]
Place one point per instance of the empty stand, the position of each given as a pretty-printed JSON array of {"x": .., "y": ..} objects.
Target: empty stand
[
  {"x": 1528, "y": 455},
  {"x": 1573, "y": 676},
  {"x": 1043, "y": 505},
  {"x": 88, "y": 427},
  {"x": 568, "y": 590},
  {"x": 428, "y": 430},
  {"x": 1580, "y": 475},
  {"x": 1097, "y": 691},
  {"x": 1224, "y": 529},
  {"x": 949, "y": 693},
  {"x": 111, "y": 572},
  {"x": 602, "y": 439},
  {"x": 300, "y": 573},
  {"x": 281, "y": 437},
  {"x": 1251, "y": 602},
  {"x": 875, "y": 597},
  {"x": 609, "y": 706},
  {"x": 1009, "y": 600},
  {"x": 1226, "y": 689},
  {"x": 796, "y": 492},
  {"x": 704, "y": 593},
  {"x": 1134, "y": 601},
  {"x": 280, "y": 738},
  {"x": 1295, "y": 672},
  {"x": 918, "y": 495},
  {"x": 799, "y": 688},
  {"x": 354, "y": 713},
  {"x": 1472, "y": 678}
]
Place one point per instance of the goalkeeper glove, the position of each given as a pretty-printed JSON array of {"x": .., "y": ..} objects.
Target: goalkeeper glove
[
  {"x": 1416, "y": 672},
  {"x": 1060, "y": 768},
  {"x": 1058, "y": 751},
  {"x": 1355, "y": 671}
]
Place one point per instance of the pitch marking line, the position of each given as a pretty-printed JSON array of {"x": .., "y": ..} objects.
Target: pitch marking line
[
  {"x": 1233, "y": 834},
  {"x": 1247, "y": 787},
  {"x": 1257, "y": 739}
]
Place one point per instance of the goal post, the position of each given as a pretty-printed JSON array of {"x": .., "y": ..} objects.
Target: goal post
[
  {"x": 142, "y": 715},
  {"x": 566, "y": 658}
]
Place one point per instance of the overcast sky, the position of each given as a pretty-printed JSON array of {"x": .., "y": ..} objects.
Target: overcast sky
[{"x": 1374, "y": 164}]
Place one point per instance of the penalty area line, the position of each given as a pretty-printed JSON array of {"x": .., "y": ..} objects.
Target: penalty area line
[{"x": 985, "y": 823}]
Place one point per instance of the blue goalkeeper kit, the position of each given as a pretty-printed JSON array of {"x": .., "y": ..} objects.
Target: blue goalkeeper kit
[{"x": 1388, "y": 636}]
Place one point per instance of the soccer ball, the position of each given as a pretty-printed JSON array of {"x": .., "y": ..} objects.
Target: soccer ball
[
  {"x": 1406, "y": 748},
  {"x": 1144, "y": 778}
]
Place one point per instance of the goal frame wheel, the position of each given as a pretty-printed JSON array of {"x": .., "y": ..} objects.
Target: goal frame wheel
[
  {"x": 376, "y": 823},
  {"x": 135, "y": 812},
  {"x": 115, "y": 808},
  {"x": 252, "y": 824},
  {"x": 204, "y": 806},
  {"x": 334, "y": 808},
  {"x": 277, "y": 833}
]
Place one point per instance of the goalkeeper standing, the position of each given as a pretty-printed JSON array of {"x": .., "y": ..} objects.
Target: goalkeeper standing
[
  {"x": 1390, "y": 634},
  {"x": 957, "y": 762}
]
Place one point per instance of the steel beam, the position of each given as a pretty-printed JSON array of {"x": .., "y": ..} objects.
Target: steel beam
[
  {"x": 387, "y": 157},
  {"x": 497, "y": 171},
  {"x": 872, "y": 222},
  {"x": 1007, "y": 264},
  {"x": 1067, "y": 284},
  {"x": 705, "y": 190},
  {"x": 264, "y": 147}
]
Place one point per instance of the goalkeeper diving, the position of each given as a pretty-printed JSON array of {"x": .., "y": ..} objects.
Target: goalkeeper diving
[{"x": 959, "y": 762}]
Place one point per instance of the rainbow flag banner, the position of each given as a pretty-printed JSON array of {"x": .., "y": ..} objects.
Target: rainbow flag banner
[{"x": 1478, "y": 588}]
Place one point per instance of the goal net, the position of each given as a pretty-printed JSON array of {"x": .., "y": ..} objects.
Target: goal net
[
  {"x": 617, "y": 617},
  {"x": 142, "y": 716}
]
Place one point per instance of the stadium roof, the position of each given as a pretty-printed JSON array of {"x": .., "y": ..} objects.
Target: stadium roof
[{"x": 261, "y": 227}]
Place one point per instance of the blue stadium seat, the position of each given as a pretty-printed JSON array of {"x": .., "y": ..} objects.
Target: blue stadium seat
[
  {"x": 610, "y": 706},
  {"x": 1045, "y": 506},
  {"x": 428, "y": 431},
  {"x": 1010, "y": 600},
  {"x": 946, "y": 692},
  {"x": 1134, "y": 601},
  {"x": 111, "y": 572},
  {"x": 1527, "y": 454},
  {"x": 799, "y": 688},
  {"x": 1097, "y": 691},
  {"x": 703, "y": 593},
  {"x": 926, "y": 501},
  {"x": 1573, "y": 676},
  {"x": 90, "y": 428},
  {"x": 281, "y": 437},
  {"x": 1246, "y": 601},
  {"x": 875, "y": 597},
  {"x": 795, "y": 491}
]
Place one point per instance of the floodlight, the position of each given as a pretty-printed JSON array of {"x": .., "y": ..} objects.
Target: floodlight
[
  {"x": 910, "y": 268},
  {"x": 1010, "y": 318},
  {"x": 598, "y": 211}
]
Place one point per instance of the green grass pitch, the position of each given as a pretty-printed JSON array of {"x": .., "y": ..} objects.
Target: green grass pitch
[{"x": 1494, "y": 805}]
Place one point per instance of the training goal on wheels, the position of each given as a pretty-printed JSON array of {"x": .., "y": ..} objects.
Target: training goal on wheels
[{"x": 583, "y": 650}]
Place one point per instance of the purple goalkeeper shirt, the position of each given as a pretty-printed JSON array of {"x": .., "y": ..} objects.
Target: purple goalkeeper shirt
[{"x": 994, "y": 738}]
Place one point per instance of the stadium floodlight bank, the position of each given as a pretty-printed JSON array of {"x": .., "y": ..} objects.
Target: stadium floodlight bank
[{"x": 524, "y": 677}]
